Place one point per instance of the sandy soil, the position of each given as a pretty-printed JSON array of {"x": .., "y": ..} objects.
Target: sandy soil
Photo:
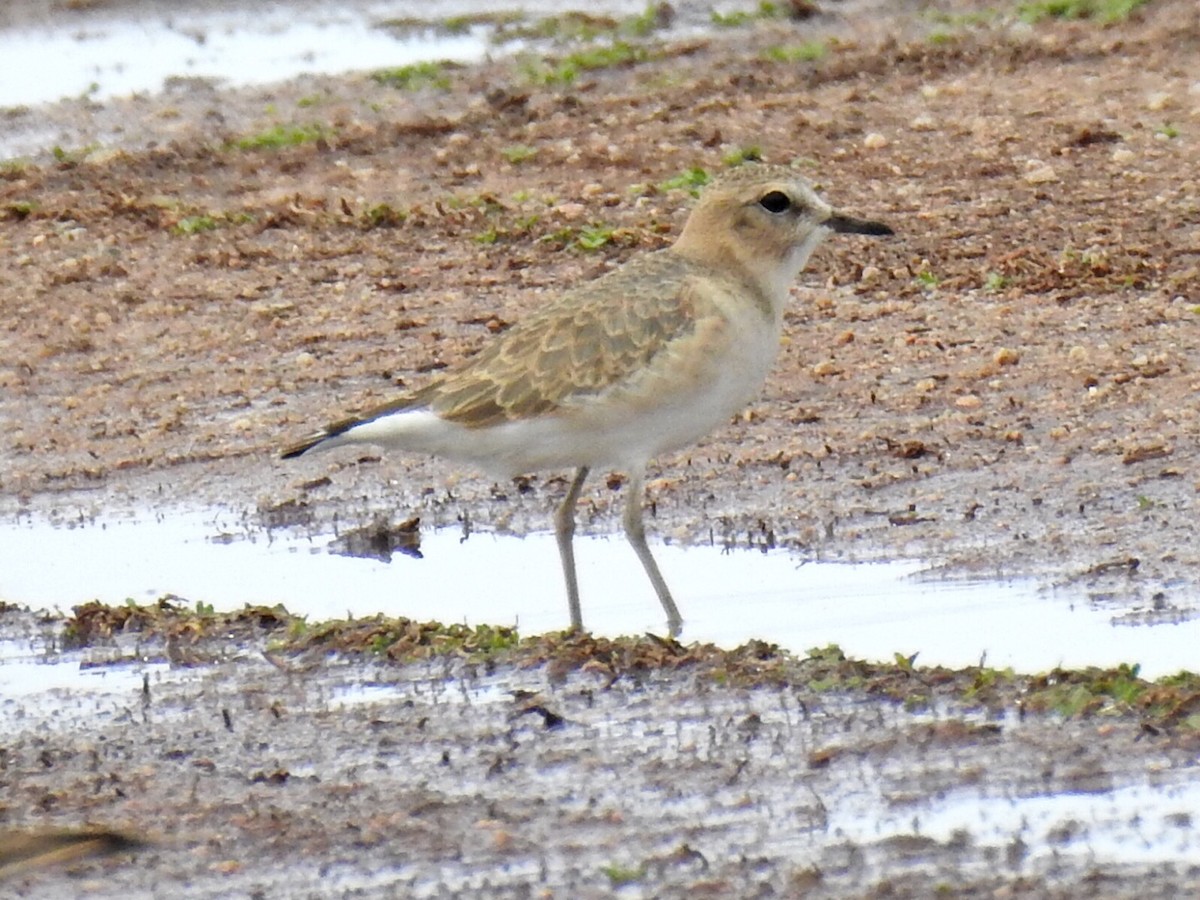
[{"x": 1008, "y": 387}]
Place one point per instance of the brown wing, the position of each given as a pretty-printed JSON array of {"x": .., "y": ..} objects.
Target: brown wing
[{"x": 588, "y": 340}]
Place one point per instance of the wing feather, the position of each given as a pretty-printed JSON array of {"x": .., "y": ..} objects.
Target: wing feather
[
  {"x": 586, "y": 342},
  {"x": 589, "y": 340}
]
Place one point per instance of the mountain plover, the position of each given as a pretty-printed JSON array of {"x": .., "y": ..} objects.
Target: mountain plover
[{"x": 640, "y": 361}]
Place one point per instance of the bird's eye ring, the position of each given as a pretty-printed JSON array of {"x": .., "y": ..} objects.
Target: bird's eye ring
[{"x": 775, "y": 202}]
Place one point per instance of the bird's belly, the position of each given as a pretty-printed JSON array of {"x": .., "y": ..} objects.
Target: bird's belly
[
  {"x": 623, "y": 428},
  {"x": 677, "y": 399}
]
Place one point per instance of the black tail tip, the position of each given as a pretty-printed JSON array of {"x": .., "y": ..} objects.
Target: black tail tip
[{"x": 299, "y": 449}]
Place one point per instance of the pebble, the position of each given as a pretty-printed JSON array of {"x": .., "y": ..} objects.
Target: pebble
[
  {"x": 1041, "y": 174},
  {"x": 1006, "y": 356},
  {"x": 968, "y": 401},
  {"x": 1158, "y": 100},
  {"x": 875, "y": 141}
]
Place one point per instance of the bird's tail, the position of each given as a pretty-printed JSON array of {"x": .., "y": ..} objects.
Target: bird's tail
[
  {"x": 337, "y": 433},
  {"x": 301, "y": 447}
]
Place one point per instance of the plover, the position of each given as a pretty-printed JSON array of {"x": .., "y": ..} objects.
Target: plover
[{"x": 643, "y": 360}]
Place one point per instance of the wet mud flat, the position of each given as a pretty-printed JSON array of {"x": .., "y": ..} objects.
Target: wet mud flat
[
  {"x": 1008, "y": 387},
  {"x": 576, "y": 767}
]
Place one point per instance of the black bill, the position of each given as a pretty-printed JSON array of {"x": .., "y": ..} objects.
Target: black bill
[{"x": 850, "y": 225}]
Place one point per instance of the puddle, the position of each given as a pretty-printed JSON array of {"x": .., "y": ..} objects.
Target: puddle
[
  {"x": 101, "y": 54},
  {"x": 871, "y": 610},
  {"x": 110, "y": 57},
  {"x": 56, "y": 689},
  {"x": 1136, "y": 824},
  {"x": 26, "y": 675}
]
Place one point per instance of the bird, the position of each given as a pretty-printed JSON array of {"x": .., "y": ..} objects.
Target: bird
[{"x": 612, "y": 372}]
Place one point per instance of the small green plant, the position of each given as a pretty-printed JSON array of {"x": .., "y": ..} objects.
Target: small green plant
[
  {"x": 1167, "y": 130},
  {"x": 985, "y": 679},
  {"x": 518, "y": 153},
  {"x": 766, "y": 10},
  {"x": 63, "y": 155},
  {"x": 280, "y": 136},
  {"x": 455, "y": 25},
  {"x": 526, "y": 224},
  {"x": 962, "y": 19},
  {"x": 593, "y": 237},
  {"x": 809, "y": 51},
  {"x": 297, "y": 627},
  {"x": 13, "y": 168},
  {"x": 730, "y": 20},
  {"x": 309, "y": 100},
  {"x": 1107, "y": 11},
  {"x": 651, "y": 19},
  {"x": 567, "y": 27},
  {"x": 622, "y": 875},
  {"x": 405, "y": 26},
  {"x": 489, "y": 639},
  {"x": 995, "y": 282},
  {"x": 496, "y": 231},
  {"x": 582, "y": 27},
  {"x": 20, "y": 209},
  {"x": 927, "y": 279},
  {"x": 413, "y": 77},
  {"x": 383, "y": 215},
  {"x": 830, "y": 653},
  {"x": 692, "y": 180},
  {"x": 742, "y": 156},
  {"x": 194, "y": 225},
  {"x": 566, "y": 70}
]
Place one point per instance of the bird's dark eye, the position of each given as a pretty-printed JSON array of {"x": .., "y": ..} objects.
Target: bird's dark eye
[{"x": 775, "y": 202}]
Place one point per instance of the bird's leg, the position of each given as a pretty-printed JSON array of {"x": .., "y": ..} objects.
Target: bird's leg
[
  {"x": 564, "y": 532},
  {"x": 635, "y": 531}
]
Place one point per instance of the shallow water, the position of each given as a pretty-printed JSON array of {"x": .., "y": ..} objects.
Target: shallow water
[
  {"x": 110, "y": 56},
  {"x": 1147, "y": 822},
  {"x": 103, "y": 53},
  {"x": 871, "y": 610}
]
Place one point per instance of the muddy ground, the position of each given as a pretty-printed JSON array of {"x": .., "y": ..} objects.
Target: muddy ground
[{"x": 1007, "y": 387}]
